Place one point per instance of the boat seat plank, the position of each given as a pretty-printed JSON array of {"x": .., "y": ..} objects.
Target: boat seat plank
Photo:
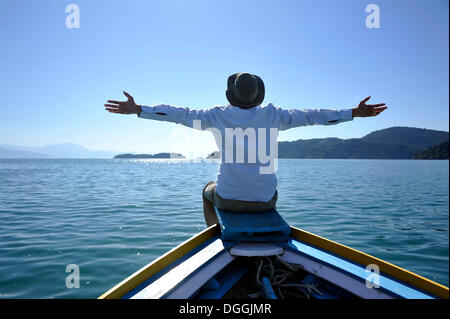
[
  {"x": 266, "y": 226},
  {"x": 251, "y": 249}
]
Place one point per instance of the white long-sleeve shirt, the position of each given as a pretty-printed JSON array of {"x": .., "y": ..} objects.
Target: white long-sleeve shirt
[{"x": 246, "y": 177}]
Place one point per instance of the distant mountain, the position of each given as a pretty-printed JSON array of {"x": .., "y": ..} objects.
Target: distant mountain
[
  {"x": 8, "y": 153},
  {"x": 390, "y": 143},
  {"x": 159, "y": 155},
  {"x": 66, "y": 150},
  {"x": 439, "y": 151}
]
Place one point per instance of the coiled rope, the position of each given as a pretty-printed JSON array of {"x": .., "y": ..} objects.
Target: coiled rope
[{"x": 282, "y": 279}]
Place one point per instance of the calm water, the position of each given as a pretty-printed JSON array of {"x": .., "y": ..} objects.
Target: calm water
[{"x": 111, "y": 217}]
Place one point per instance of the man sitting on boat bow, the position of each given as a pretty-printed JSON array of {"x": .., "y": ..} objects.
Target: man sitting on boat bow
[{"x": 246, "y": 134}]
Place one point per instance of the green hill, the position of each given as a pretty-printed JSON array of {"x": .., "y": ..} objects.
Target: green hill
[
  {"x": 439, "y": 151},
  {"x": 415, "y": 138},
  {"x": 390, "y": 143}
]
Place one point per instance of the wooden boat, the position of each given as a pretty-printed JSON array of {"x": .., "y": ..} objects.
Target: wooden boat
[{"x": 260, "y": 256}]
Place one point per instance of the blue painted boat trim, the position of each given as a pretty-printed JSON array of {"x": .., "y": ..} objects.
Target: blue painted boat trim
[{"x": 388, "y": 285}]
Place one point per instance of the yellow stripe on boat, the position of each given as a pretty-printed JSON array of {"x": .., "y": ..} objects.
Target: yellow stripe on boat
[
  {"x": 157, "y": 265},
  {"x": 365, "y": 259}
]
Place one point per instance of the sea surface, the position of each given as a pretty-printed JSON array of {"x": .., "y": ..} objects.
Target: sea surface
[{"x": 111, "y": 217}]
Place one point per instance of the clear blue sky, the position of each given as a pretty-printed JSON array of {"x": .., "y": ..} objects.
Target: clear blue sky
[{"x": 310, "y": 54}]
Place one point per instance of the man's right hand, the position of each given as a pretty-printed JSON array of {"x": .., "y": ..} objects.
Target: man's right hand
[{"x": 125, "y": 107}]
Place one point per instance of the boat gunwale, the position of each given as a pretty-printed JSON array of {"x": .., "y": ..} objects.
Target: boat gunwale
[
  {"x": 144, "y": 273},
  {"x": 359, "y": 257},
  {"x": 391, "y": 293}
]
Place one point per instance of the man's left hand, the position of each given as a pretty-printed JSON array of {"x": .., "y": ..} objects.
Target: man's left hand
[{"x": 365, "y": 110}]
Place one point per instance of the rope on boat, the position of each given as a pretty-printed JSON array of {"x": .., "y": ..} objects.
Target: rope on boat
[{"x": 282, "y": 279}]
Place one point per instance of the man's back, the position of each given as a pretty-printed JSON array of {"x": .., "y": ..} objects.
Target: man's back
[{"x": 247, "y": 144}]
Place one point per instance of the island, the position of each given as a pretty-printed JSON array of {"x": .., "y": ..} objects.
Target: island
[
  {"x": 214, "y": 155},
  {"x": 158, "y": 155}
]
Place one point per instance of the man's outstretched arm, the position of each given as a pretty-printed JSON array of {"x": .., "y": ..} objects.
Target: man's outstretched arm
[
  {"x": 169, "y": 113},
  {"x": 295, "y": 118}
]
